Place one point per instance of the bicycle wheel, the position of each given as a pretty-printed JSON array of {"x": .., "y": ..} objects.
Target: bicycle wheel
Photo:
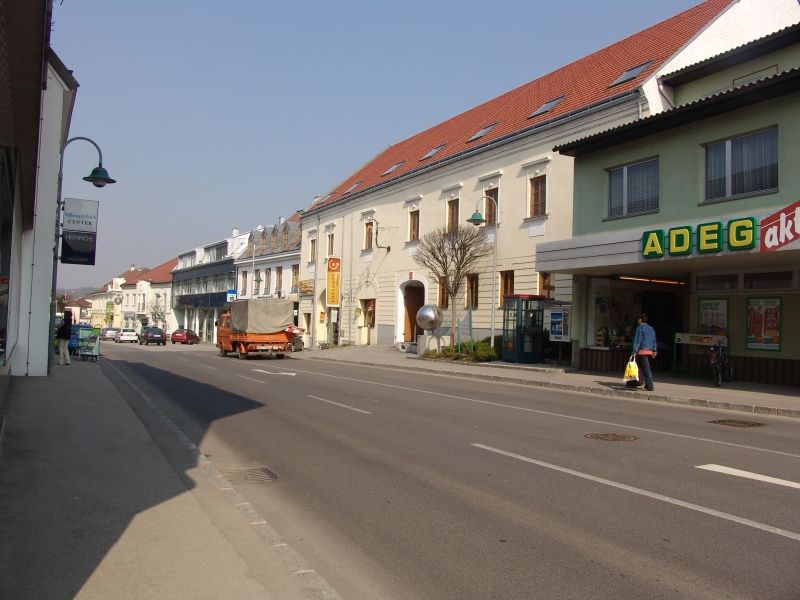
[{"x": 717, "y": 374}]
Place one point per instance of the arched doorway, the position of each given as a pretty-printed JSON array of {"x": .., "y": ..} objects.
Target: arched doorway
[{"x": 413, "y": 299}]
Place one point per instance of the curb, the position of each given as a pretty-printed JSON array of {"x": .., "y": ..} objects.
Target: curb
[{"x": 588, "y": 389}]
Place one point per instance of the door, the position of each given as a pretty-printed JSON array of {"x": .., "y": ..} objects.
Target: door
[{"x": 414, "y": 298}]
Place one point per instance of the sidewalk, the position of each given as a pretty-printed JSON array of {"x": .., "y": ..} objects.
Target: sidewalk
[
  {"x": 91, "y": 509},
  {"x": 740, "y": 396}
]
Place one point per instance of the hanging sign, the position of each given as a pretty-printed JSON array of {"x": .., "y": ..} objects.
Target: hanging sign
[
  {"x": 333, "y": 284},
  {"x": 79, "y": 231}
]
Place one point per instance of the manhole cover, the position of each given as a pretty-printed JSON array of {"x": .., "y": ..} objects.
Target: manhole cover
[
  {"x": 611, "y": 437},
  {"x": 736, "y": 423},
  {"x": 249, "y": 475}
]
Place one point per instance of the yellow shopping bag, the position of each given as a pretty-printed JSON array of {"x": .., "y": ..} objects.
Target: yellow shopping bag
[{"x": 631, "y": 370}]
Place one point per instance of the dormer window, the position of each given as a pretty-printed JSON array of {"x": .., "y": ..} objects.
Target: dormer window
[
  {"x": 482, "y": 132},
  {"x": 432, "y": 152},
  {"x": 351, "y": 188},
  {"x": 631, "y": 73},
  {"x": 546, "y": 107}
]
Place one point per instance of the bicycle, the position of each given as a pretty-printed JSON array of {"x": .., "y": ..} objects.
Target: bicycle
[{"x": 720, "y": 362}]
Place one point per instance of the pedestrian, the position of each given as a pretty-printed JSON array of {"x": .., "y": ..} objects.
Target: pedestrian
[
  {"x": 645, "y": 349},
  {"x": 63, "y": 334}
]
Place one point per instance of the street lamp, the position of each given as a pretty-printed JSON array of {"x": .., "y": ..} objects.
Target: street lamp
[
  {"x": 98, "y": 178},
  {"x": 477, "y": 219},
  {"x": 256, "y": 280}
]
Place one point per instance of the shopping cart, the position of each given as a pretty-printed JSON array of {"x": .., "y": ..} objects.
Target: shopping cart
[{"x": 89, "y": 347}]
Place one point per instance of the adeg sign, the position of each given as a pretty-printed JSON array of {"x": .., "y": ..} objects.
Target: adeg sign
[{"x": 781, "y": 229}]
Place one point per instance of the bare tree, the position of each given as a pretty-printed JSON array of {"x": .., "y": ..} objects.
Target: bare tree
[{"x": 450, "y": 257}]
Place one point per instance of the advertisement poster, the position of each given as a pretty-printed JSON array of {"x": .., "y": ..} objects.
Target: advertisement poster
[
  {"x": 79, "y": 231},
  {"x": 332, "y": 291},
  {"x": 559, "y": 324},
  {"x": 714, "y": 316},
  {"x": 763, "y": 324}
]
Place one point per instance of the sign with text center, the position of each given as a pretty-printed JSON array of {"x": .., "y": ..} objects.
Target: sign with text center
[
  {"x": 79, "y": 231},
  {"x": 333, "y": 284}
]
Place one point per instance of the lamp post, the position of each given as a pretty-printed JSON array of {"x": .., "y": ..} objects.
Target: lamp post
[
  {"x": 256, "y": 280},
  {"x": 98, "y": 178},
  {"x": 477, "y": 219}
]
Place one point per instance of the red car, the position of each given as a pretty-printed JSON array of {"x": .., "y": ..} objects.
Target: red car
[{"x": 184, "y": 336}]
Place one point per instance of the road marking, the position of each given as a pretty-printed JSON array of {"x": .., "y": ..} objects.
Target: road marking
[
  {"x": 251, "y": 379},
  {"x": 183, "y": 359},
  {"x": 749, "y": 475},
  {"x": 272, "y": 373},
  {"x": 366, "y": 412},
  {"x": 549, "y": 413},
  {"x": 210, "y": 367},
  {"x": 628, "y": 488}
]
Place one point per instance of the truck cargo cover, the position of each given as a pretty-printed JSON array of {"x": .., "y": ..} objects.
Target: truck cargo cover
[{"x": 261, "y": 315}]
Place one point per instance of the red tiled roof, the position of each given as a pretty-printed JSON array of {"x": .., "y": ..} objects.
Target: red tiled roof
[
  {"x": 160, "y": 274},
  {"x": 583, "y": 83}
]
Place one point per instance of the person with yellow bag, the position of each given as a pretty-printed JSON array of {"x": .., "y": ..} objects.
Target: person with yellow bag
[
  {"x": 631, "y": 376},
  {"x": 645, "y": 349}
]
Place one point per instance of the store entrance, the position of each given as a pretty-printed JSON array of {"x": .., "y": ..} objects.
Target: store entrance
[{"x": 662, "y": 309}]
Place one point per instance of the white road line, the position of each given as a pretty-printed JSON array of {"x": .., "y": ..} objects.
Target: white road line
[
  {"x": 366, "y": 412},
  {"x": 550, "y": 414},
  {"x": 183, "y": 359},
  {"x": 628, "y": 488},
  {"x": 271, "y": 373},
  {"x": 209, "y": 367},
  {"x": 749, "y": 475},
  {"x": 251, "y": 379}
]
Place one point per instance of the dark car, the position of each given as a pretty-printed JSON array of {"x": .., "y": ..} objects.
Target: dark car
[
  {"x": 184, "y": 336},
  {"x": 152, "y": 335}
]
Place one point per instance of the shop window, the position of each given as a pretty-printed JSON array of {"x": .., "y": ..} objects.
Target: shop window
[
  {"x": 768, "y": 281},
  {"x": 472, "y": 291},
  {"x": 538, "y": 206},
  {"x": 413, "y": 225},
  {"x": 506, "y": 285},
  {"x": 452, "y": 215},
  {"x": 443, "y": 299},
  {"x": 633, "y": 188},
  {"x": 491, "y": 206},
  {"x": 743, "y": 165},
  {"x": 716, "y": 283}
]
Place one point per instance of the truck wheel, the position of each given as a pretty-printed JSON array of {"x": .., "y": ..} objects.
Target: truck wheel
[
  {"x": 222, "y": 351},
  {"x": 242, "y": 352}
]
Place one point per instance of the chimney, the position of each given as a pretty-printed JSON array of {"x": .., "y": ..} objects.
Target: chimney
[
  {"x": 235, "y": 232},
  {"x": 280, "y": 220}
]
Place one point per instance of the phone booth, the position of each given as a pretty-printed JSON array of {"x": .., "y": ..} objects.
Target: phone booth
[{"x": 523, "y": 328}]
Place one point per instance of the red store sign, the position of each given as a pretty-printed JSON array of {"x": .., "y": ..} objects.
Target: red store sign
[{"x": 781, "y": 229}]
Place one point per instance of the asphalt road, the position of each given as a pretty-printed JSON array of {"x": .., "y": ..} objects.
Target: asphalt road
[{"x": 401, "y": 485}]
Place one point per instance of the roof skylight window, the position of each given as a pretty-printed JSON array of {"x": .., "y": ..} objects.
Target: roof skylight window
[
  {"x": 351, "y": 188},
  {"x": 433, "y": 152},
  {"x": 631, "y": 73},
  {"x": 392, "y": 169},
  {"x": 546, "y": 107},
  {"x": 482, "y": 132}
]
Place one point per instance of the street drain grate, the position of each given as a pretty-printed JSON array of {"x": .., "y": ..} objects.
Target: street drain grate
[
  {"x": 249, "y": 475},
  {"x": 736, "y": 423},
  {"x": 611, "y": 437}
]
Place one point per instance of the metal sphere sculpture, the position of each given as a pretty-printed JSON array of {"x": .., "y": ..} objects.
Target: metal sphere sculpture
[{"x": 429, "y": 317}]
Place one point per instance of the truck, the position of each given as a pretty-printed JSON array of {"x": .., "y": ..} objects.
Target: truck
[{"x": 258, "y": 326}]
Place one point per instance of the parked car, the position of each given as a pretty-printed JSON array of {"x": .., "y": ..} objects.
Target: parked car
[
  {"x": 184, "y": 336},
  {"x": 109, "y": 333},
  {"x": 126, "y": 335},
  {"x": 152, "y": 335}
]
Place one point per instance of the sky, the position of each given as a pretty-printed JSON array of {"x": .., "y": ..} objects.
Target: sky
[{"x": 213, "y": 115}]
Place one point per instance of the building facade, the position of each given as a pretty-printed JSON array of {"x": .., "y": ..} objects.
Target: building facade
[{"x": 693, "y": 217}]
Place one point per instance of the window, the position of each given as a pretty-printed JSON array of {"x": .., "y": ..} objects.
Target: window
[
  {"x": 491, "y": 206},
  {"x": 633, "y": 188},
  {"x": 369, "y": 230},
  {"x": 274, "y": 241},
  {"x": 482, "y": 132},
  {"x": 768, "y": 281},
  {"x": 243, "y": 285},
  {"x": 351, "y": 188},
  {"x": 312, "y": 249},
  {"x": 631, "y": 73},
  {"x": 538, "y": 206},
  {"x": 278, "y": 280},
  {"x": 330, "y": 244},
  {"x": 546, "y": 287},
  {"x": 257, "y": 282},
  {"x": 295, "y": 276},
  {"x": 546, "y": 107},
  {"x": 392, "y": 169},
  {"x": 506, "y": 285},
  {"x": 267, "y": 281},
  {"x": 443, "y": 299},
  {"x": 285, "y": 237},
  {"x": 452, "y": 215},
  {"x": 743, "y": 165},
  {"x": 413, "y": 225},
  {"x": 432, "y": 152},
  {"x": 472, "y": 291},
  {"x": 716, "y": 283}
]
